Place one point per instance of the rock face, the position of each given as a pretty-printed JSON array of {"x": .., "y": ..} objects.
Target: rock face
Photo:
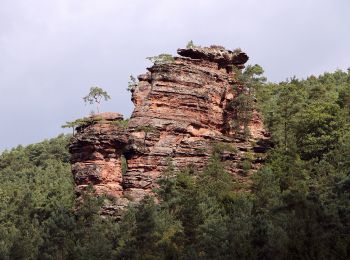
[
  {"x": 182, "y": 110},
  {"x": 96, "y": 154}
]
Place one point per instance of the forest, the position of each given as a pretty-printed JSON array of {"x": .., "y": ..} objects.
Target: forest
[{"x": 298, "y": 206}]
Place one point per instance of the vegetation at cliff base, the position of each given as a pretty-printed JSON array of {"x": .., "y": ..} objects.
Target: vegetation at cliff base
[
  {"x": 298, "y": 207},
  {"x": 248, "y": 82},
  {"x": 35, "y": 188}
]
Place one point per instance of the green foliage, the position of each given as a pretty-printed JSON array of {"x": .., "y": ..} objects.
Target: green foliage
[
  {"x": 317, "y": 129},
  {"x": 163, "y": 58},
  {"x": 82, "y": 122},
  {"x": 86, "y": 121},
  {"x": 191, "y": 45},
  {"x": 96, "y": 95},
  {"x": 247, "y": 82},
  {"x": 38, "y": 218},
  {"x": 35, "y": 182},
  {"x": 148, "y": 232},
  {"x": 243, "y": 106},
  {"x": 298, "y": 206},
  {"x": 308, "y": 116},
  {"x": 146, "y": 128},
  {"x": 124, "y": 164},
  {"x": 132, "y": 83},
  {"x": 246, "y": 166},
  {"x": 251, "y": 77},
  {"x": 219, "y": 147},
  {"x": 237, "y": 51},
  {"x": 78, "y": 122},
  {"x": 301, "y": 200},
  {"x": 121, "y": 123},
  {"x": 214, "y": 46}
]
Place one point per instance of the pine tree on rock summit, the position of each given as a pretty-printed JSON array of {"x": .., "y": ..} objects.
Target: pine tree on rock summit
[{"x": 96, "y": 95}]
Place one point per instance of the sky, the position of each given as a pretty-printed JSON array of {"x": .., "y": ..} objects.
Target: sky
[{"x": 53, "y": 51}]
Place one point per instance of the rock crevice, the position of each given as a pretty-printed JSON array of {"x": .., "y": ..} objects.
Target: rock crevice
[{"x": 180, "y": 113}]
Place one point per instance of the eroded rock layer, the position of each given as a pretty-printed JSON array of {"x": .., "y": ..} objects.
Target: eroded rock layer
[
  {"x": 96, "y": 154},
  {"x": 181, "y": 113}
]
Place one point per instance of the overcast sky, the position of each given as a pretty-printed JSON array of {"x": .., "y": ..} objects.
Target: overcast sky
[{"x": 52, "y": 51}]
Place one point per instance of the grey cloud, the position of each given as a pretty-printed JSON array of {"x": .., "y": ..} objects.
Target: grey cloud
[{"x": 51, "y": 52}]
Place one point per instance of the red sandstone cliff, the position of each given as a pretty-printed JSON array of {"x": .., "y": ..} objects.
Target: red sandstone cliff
[{"x": 181, "y": 111}]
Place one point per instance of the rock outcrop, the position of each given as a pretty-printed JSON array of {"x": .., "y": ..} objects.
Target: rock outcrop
[
  {"x": 182, "y": 110},
  {"x": 96, "y": 154}
]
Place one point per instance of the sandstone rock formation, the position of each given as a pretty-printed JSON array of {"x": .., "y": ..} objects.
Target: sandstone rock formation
[
  {"x": 181, "y": 112},
  {"x": 96, "y": 154}
]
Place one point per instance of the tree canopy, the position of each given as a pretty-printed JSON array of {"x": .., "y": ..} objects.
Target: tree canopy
[
  {"x": 298, "y": 206},
  {"x": 96, "y": 95}
]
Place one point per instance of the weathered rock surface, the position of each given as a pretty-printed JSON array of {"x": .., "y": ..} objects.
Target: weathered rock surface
[
  {"x": 224, "y": 58},
  {"x": 96, "y": 154},
  {"x": 181, "y": 112}
]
